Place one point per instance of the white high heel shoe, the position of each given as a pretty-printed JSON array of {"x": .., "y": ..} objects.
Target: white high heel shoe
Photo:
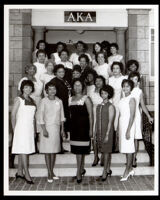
[{"x": 131, "y": 173}]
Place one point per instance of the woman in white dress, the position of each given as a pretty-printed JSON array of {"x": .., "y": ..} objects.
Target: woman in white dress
[
  {"x": 126, "y": 126},
  {"x": 140, "y": 105},
  {"x": 47, "y": 76},
  {"x": 96, "y": 48},
  {"x": 81, "y": 48},
  {"x": 40, "y": 45},
  {"x": 23, "y": 118},
  {"x": 89, "y": 81},
  {"x": 114, "y": 55},
  {"x": 102, "y": 68},
  {"x": 96, "y": 99},
  {"x": 51, "y": 118},
  {"x": 59, "y": 47},
  {"x": 115, "y": 81}
]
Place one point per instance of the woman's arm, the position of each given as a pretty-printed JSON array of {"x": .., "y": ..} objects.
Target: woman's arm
[
  {"x": 132, "y": 106},
  {"x": 144, "y": 108},
  {"x": 111, "y": 121},
  {"x": 89, "y": 105},
  {"x": 14, "y": 112}
]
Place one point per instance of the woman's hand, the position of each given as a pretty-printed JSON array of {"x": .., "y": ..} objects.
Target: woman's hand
[
  {"x": 106, "y": 138},
  {"x": 45, "y": 133},
  {"x": 150, "y": 119},
  {"x": 128, "y": 135},
  {"x": 63, "y": 135}
]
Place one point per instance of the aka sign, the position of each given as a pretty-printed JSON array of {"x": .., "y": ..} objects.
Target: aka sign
[{"x": 79, "y": 16}]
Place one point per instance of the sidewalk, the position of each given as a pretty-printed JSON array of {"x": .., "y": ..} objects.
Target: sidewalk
[{"x": 136, "y": 183}]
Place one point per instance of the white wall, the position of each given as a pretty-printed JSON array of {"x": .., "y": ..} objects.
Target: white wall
[
  {"x": 53, "y": 37},
  {"x": 104, "y": 18}
]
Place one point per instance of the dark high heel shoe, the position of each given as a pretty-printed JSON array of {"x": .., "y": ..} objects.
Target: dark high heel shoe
[
  {"x": 83, "y": 173},
  {"x": 95, "y": 163},
  {"x": 79, "y": 180},
  {"x": 109, "y": 173},
  {"x": 135, "y": 165},
  {"x": 18, "y": 176},
  {"x": 29, "y": 182}
]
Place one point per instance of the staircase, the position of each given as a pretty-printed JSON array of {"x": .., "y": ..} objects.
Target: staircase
[{"x": 66, "y": 164}]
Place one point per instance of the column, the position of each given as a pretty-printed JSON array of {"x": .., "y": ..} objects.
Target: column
[
  {"x": 120, "y": 37},
  {"x": 137, "y": 43},
  {"x": 38, "y": 34}
]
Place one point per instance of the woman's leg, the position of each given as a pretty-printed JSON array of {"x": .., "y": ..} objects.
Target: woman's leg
[
  {"x": 20, "y": 166},
  {"x": 79, "y": 163},
  {"x": 129, "y": 157},
  {"x": 53, "y": 159},
  {"x": 106, "y": 161},
  {"x": 48, "y": 164},
  {"x": 136, "y": 143},
  {"x": 109, "y": 163},
  {"x": 25, "y": 166},
  {"x": 82, "y": 163},
  {"x": 95, "y": 148}
]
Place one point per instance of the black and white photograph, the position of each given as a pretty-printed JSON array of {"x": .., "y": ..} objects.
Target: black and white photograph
[{"x": 81, "y": 100}]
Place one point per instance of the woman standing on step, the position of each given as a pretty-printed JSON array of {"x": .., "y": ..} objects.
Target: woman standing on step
[
  {"x": 23, "y": 123},
  {"x": 126, "y": 126},
  {"x": 51, "y": 118},
  {"x": 105, "y": 128},
  {"x": 138, "y": 95},
  {"x": 81, "y": 129}
]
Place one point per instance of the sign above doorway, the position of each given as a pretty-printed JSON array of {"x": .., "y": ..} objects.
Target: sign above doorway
[{"x": 80, "y": 17}]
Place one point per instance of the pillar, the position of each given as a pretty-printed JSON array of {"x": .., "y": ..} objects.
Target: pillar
[
  {"x": 20, "y": 47},
  {"x": 137, "y": 43},
  {"x": 120, "y": 38},
  {"x": 38, "y": 34}
]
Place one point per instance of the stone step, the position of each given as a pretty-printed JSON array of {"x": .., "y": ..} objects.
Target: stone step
[
  {"x": 69, "y": 158},
  {"x": 39, "y": 170}
]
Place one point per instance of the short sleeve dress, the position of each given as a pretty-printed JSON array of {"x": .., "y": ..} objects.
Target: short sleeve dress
[
  {"x": 102, "y": 120},
  {"x": 103, "y": 70},
  {"x": 23, "y": 139},
  {"x": 51, "y": 114},
  {"x": 125, "y": 146},
  {"x": 74, "y": 58},
  {"x": 79, "y": 129}
]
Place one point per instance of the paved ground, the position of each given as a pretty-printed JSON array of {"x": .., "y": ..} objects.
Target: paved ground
[{"x": 136, "y": 183}]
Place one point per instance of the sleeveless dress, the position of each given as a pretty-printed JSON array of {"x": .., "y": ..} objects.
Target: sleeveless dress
[
  {"x": 79, "y": 128},
  {"x": 125, "y": 146},
  {"x": 136, "y": 93},
  {"x": 102, "y": 120},
  {"x": 23, "y": 139}
]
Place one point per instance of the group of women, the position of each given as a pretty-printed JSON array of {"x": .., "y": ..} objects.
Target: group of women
[{"x": 94, "y": 99}]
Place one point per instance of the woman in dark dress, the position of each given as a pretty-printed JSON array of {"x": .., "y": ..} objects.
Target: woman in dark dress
[
  {"x": 105, "y": 128},
  {"x": 63, "y": 92},
  {"x": 81, "y": 128}
]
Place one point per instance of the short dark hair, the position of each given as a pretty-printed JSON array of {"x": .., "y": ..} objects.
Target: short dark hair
[
  {"x": 134, "y": 74},
  {"x": 61, "y": 43},
  {"x": 84, "y": 56},
  {"x": 91, "y": 71},
  {"x": 84, "y": 45},
  {"x": 40, "y": 51},
  {"x": 41, "y": 41},
  {"x": 105, "y": 57},
  {"x": 130, "y": 62},
  {"x": 114, "y": 45},
  {"x": 80, "y": 80},
  {"x": 109, "y": 89},
  {"x": 49, "y": 84},
  {"x": 102, "y": 78},
  {"x": 28, "y": 83},
  {"x": 77, "y": 68},
  {"x": 94, "y": 52},
  {"x": 28, "y": 66},
  {"x": 130, "y": 82},
  {"x": 105, "y": 44},
  {"x": 57, "y": 67},
  {"x": 64, "y": 50},
  {"x": 120, "y": 64}
]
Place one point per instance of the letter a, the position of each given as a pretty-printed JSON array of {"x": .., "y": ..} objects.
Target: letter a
[
  {"x": 89, "y": 17},
  {"x": 71, "y": 17}
]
